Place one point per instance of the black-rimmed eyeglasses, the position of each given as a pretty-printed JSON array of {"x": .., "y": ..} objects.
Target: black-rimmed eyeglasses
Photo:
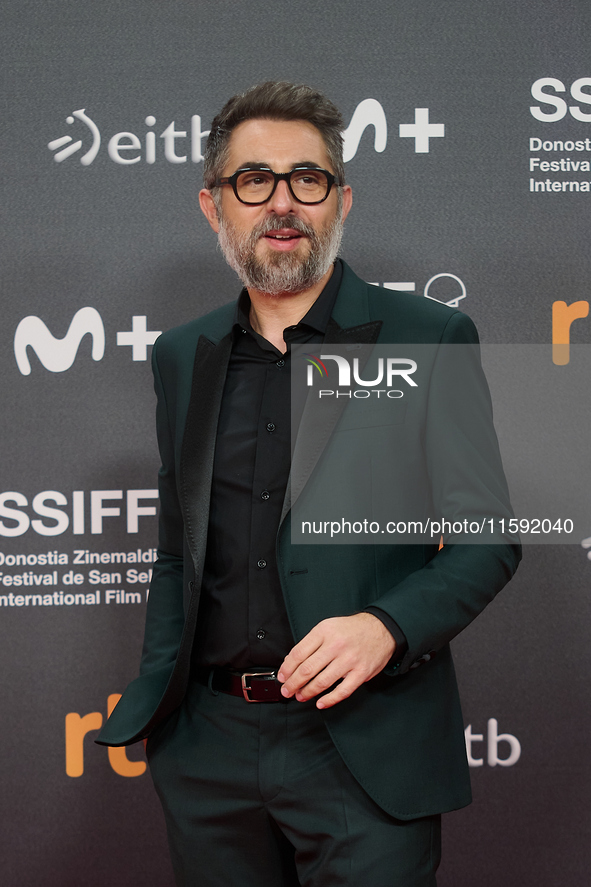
[{"x": 257, "y": 185}]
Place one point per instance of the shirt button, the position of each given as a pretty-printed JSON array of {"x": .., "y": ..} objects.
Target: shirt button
[
  {"x": 271, "y": 426},
  {"x": 265, "y": 494},
  {"x": 261, "y": 564},
  {"x": 261, "y": 633},
  {"x": 280, "y": 363}
]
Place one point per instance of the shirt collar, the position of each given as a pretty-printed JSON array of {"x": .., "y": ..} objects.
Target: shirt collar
[{"x": 318, "y": 314}]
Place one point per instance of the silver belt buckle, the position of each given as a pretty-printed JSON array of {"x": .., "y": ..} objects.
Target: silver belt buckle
[{"x": 253, "y": 674}]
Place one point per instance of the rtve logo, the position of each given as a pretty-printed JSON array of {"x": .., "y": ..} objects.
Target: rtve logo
[
  {"x": 58, "y": 355},
  {"x": 563, "y": 316},
  {"x": 127, "y": 148},
  {"x": 78, "y": 726}
]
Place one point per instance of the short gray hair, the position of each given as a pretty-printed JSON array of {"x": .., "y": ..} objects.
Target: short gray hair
[{"x": 274, "y": 100}]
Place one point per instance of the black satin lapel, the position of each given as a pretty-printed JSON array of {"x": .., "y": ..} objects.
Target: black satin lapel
[
  {"x": 196, "y": 470},
  {"x": 319, "y": 418},
  {"x": 198, "y": 448}
]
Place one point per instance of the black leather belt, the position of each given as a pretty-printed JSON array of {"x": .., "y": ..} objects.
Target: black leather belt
[{"x": 254, "y": 686}]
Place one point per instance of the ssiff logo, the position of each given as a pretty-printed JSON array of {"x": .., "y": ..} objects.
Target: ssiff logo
[{"x": 577, "y": 90}]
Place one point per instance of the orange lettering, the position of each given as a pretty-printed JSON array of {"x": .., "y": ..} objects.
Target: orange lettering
[
  {"x": 562, "y": 317},
  {"x": 76, "y": 729},
  {"x": 117, "y": 757}
]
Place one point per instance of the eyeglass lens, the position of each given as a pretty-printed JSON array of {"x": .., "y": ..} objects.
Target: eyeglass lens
[{"x": 308, "y": 185}]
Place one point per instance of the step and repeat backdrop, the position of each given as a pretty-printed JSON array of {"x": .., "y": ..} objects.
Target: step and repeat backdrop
[{"x": 468, "y": 147}]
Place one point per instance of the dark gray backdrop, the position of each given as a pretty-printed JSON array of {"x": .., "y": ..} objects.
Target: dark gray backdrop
[{"x": 128, "y": 240}]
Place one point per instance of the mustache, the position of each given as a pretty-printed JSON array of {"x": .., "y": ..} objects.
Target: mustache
[{"x": 276, "y": 223}]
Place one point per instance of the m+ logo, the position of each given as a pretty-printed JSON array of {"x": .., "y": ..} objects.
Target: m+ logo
[{"x": 421, "y": 130}]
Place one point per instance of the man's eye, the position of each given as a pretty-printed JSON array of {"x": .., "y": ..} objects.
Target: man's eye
[
  {"x": 309, "y": 179},
  {"x": 253, "y": 180}
]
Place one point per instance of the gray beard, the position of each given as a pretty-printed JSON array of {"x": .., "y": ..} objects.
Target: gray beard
[{"x": 281, "y": 272}]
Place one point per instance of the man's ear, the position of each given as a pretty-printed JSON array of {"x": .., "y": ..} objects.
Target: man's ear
[
  {"x": 208, "y": 208},
  {"x": 347, "y": 200}
]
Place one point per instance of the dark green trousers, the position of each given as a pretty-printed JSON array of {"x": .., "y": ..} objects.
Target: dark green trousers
[{"x": 256, "y": 795}]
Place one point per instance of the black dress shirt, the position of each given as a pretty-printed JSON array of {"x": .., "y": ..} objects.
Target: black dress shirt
[{"x": 242, "y": 617}]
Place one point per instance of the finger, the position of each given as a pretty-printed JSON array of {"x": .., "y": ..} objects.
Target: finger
[
  {"x": 305, "y": 648},
  {"x": 307, "y": 670},
  {"x": 323, "y": 681},
  {"x": 343, "y": 691}
]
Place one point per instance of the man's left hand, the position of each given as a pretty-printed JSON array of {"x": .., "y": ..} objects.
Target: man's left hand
[{"x": 352, "y": 648}]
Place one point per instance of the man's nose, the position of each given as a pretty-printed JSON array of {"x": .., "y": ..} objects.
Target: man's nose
[{"x": 282, "y": 202}]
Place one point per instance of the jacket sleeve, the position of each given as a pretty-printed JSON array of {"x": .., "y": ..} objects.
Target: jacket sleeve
[
  {"x": 433, "y": 604},
  {"x": 165, "y": 612}
]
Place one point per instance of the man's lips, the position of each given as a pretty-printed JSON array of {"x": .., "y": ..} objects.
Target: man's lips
[{"x": 283, "y": 239}]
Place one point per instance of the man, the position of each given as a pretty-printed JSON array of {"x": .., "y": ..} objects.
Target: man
[{"x": 341, "y": 775}]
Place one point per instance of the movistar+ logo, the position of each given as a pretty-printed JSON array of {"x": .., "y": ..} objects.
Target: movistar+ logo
[{"x": 57, "y": 355}]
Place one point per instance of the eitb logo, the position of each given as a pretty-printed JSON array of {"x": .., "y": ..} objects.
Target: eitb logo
[{"x": 127, "y": 148}]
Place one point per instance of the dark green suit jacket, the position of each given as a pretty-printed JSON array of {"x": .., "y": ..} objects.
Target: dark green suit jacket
[{"x": 401, "y": 734}]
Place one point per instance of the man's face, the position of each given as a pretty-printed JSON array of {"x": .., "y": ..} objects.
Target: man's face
[{"x": 281, "y": 246}]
